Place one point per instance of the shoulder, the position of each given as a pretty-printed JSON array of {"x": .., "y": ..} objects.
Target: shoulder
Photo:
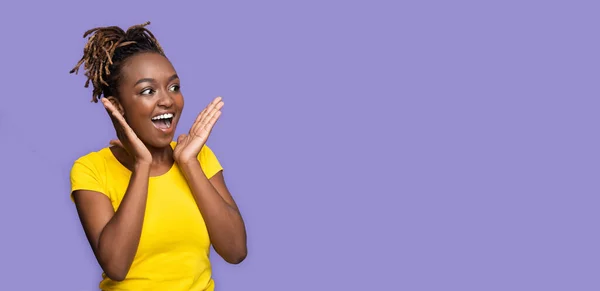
[
  {"x": 205, "y": 152},
  {"x": 89, "y": 172},
  {"x": 95, "y": 163},
  {"x": 94, "y": 158},
  {"x": 208, "y": 161}
]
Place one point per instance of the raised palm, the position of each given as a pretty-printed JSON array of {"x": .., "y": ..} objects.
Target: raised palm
[
  {"x": 189, "y": 145},
  {"x": 127, "y": 139}
]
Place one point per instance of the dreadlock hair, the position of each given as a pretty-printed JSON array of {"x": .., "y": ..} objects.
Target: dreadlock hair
[{"x": 105, "y": 52}]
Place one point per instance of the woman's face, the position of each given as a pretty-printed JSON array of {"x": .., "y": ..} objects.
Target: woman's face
[{"x": 150, "y": 97}]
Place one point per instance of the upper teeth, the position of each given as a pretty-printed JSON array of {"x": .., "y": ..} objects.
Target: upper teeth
[{"x": 163, "y": 116}]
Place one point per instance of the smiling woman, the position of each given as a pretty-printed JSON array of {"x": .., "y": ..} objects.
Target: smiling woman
[{"x": 151, "y": 207}]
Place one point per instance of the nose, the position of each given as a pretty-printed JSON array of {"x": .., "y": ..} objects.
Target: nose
[{"x": 165, "y": 100}]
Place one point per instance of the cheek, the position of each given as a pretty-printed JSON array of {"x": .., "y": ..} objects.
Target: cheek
[
  {"x": 136, "y": 121},
  {"x": 178, "y": 100},
  {"x": 137, "y": 116}
]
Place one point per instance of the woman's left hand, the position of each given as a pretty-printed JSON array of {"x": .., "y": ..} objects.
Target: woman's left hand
[{"x": 189, "y": 145}]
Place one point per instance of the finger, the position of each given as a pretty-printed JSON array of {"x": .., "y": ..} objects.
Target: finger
[
  {"x": 212, "y": 104},
  {"x": 206, "y": 129},
  {"x": 126, "y": 129},
  {"x": 116, "y": 142},
  {"x": 212, "y": 113},
  {"x": 208, "y": 116},
  {"x": 114, "y": 112},
  {"x": 121, "y": 131},
  {"x": 212, "y": 118},
  {"x": 213, "y": 107},
  {"x": 109, "y": 106},
  {"x": 216, "y": 100},
  {"x": 181, "y": 138},
  {"x": 211, "y": 123},
  {"x": 206, "y": 109},
  {"x": 198, "y": 118},
  {"x": 197, "y": 123}
]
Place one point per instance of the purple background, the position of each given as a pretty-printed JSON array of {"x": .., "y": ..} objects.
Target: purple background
[{"x": 371, "y": 145}]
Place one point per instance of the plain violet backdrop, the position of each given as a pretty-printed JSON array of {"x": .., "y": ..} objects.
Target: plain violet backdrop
[{"x": 371, "y": 145}]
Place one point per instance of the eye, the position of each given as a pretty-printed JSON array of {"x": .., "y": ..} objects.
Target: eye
[
  {"x": 147, "y": 91},
  {"x": 174, "y": 88}
]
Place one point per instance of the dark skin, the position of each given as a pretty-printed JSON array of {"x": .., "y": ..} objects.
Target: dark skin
[{"x": 150, "y": 87}]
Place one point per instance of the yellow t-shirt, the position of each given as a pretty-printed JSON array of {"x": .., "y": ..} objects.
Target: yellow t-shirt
[{"x": 173, "y": 253}]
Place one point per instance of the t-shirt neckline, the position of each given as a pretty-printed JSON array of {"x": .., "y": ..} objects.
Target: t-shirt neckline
[{"x": 114, "y": 158}]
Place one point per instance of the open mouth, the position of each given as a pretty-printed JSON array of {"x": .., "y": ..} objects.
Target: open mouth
[{"x": 163, "y": 121}]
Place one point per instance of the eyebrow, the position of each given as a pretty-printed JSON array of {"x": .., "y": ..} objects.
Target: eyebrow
[{"x": 150, "y": 80}]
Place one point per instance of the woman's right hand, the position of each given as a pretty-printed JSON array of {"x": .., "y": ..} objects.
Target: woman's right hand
[{"x": 127, "y": 139}]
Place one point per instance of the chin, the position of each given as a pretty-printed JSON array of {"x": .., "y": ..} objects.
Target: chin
[
  {"x": 165, "y": 142},
  {"x": 159, "y": 142}
]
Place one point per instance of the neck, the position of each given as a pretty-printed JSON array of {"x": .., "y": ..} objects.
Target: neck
[{"x": 161, "y": 156}]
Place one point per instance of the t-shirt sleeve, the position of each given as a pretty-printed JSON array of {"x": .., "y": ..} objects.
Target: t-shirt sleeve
[
  {"x": 85, "y": 176},
  {"x": 209, "y": 162}
]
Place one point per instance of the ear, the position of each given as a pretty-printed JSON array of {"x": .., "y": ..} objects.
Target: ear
[{"x": 115, "y": 102}]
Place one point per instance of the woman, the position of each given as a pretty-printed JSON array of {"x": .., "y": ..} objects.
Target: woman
[{"x": 151, "y": 207}]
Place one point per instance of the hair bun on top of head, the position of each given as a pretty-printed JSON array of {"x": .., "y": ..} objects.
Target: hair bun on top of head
[{"x": 106, "y": 48}]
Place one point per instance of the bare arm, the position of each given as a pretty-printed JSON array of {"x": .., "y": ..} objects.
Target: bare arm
[
  {"x": 114, "y": 236},
  {"x": 220, "y": 212},
  {"x": 221, "y": 215}
]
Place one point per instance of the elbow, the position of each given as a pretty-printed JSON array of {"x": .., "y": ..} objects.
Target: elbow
[
  {"x": 115, "y": 272},
  {"x": 236, "y": 257},
  {"x": 234, "y": 260},
  {"x": 115, "y": 276}
]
